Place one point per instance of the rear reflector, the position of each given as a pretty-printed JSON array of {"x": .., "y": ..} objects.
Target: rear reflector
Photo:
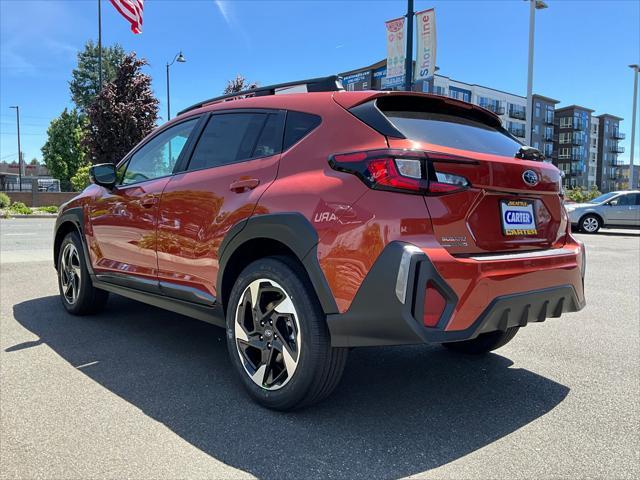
[
  {"x": 410, "y": 171},
  {"x": 434, "y": 304}
]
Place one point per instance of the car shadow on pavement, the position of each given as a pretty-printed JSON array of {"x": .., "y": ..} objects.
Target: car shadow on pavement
[{"x": 398, "y": 411}]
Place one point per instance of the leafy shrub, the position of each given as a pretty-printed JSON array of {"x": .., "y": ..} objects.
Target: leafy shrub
[
  {"x": 48, "y": 209},
  {"x": 5, "y": 201},
  {"x": 579, "y": 195},
  {"x": 81, "y": 179},
  {"x": 20, "y": 208}
]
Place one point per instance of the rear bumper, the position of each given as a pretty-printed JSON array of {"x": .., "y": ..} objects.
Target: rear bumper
[{"x": 482, "y": 294}]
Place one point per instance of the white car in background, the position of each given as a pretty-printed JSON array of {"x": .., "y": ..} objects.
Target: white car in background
[{"x": 612, "y": 210}]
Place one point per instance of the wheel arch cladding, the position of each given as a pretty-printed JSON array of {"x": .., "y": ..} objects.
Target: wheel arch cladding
[
  {"x": 68, "y": 221},
  {"x": 272, "y": 234}
]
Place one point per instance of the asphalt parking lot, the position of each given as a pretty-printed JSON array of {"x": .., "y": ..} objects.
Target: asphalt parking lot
[{"x": 137, "y": 392}]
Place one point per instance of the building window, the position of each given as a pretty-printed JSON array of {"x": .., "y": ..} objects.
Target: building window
[
  {"x": 538, "y": 110},
  {"x": 566, "y": 122}
]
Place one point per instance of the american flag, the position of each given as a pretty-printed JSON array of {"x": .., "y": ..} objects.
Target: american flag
[{"x": 131, "y": 10}]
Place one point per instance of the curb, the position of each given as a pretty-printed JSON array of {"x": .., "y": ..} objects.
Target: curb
[{"x": 30, "y": 216}]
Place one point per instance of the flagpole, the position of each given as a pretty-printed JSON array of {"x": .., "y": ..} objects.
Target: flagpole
[{"x": 99, "y": 47}]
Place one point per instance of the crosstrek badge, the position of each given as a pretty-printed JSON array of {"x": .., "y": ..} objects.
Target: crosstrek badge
[{"x": 518, "y": 217}]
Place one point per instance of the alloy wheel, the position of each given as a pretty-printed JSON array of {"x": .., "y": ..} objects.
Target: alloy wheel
[
  {"x": 267, "y": 334},
  {"x": 590, "y": 224},
  {"x": 70, "y": 273}
]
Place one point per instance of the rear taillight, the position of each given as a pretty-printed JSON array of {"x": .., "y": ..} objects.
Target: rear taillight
[{"x": 410, "y": 171}]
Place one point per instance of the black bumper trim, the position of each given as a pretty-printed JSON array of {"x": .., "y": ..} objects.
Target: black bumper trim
[{"x": 376, "y": 317}]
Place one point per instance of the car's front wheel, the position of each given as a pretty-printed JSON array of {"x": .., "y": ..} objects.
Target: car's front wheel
[
  {"x": 590, "y": 224},
  {"x": 278, "y": 338},
  {"x": 77, "y": 292}
]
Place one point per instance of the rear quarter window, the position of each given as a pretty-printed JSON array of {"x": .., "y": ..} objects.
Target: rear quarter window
[{"x": 298, "y": 126}]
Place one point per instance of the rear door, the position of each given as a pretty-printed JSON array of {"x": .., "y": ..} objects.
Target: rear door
[
  {"x": 510, "y": 204},
  {"x": 234, "y": 161}
]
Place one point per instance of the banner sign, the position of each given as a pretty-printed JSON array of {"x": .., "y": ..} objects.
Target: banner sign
[
  {"x": 395, "y": 50},
  {"x": 426, "y": 54}
]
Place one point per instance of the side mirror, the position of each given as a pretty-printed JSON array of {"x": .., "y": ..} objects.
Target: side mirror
[{"x": 103, "y": 174}]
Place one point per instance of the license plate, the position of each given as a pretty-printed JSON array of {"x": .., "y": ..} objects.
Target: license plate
[{"x": 518, "y": 218}]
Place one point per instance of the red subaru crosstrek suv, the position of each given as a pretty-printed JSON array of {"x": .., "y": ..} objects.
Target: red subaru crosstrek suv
[{"x": 307, "y": 220}]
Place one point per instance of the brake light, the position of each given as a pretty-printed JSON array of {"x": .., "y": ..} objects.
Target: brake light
[{"x": 410, "y": 171}]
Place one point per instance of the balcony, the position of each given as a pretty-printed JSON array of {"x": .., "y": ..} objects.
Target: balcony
[
  {"x": 616, "y": 149},
  {"x": 517, "y": 132},
  {"x": 577, "y": 124},
  {"x": 495, "y": 108},
  {"x": 573, "y": 157},
  {"x": 548, "y": 118},
  {"x": 577, "y": 140},
  {"x": 618, "y": 135},
  {"x": 519, "y": 114}
]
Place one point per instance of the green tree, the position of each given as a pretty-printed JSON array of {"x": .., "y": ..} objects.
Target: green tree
[
  {"x": 122, "y": 114},
  {"x": 64, "y": 151},
  {"x": 238, "y": 84},
  {"x": 85, "y": 77},
  {"x": 81, "y": 179}
]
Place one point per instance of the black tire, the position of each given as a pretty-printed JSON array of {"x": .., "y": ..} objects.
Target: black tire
[
  {"x": 590, "y": 224},
  {"x": 74, "y": 274},
  {"x": 318, "y": 366},
  {"x": 484, "y": 343}
]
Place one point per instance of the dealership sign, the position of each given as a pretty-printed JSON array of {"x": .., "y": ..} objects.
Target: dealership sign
[
  {"x": 426, "y": 54},
  {"x": 395, "y": 51}
]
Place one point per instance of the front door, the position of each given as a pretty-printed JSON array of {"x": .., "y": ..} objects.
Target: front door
[
  {"x": 123, "y": 220},
  {"x": 233, "y": 163}
]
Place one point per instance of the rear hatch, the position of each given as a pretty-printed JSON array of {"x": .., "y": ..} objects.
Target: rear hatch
[{"x": 485, "y": 193}]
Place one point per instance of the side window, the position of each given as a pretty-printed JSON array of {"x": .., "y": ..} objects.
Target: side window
[
  {"x": 159, "y": 155},
  {"x": 298, "y": 125},
  {"x": 636, "y": 200},
  {"x": 231, "y": 137},
  {"x": 625, "y": 200}
]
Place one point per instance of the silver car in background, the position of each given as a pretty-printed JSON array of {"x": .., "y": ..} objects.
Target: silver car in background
[{"x": 612, "y": 210}]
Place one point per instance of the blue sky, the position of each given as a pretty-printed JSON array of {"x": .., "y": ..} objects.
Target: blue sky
[{"x": 582, "y": 49}]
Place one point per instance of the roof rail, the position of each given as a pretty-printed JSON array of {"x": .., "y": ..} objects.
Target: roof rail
[{"x": 331, "y": 83}]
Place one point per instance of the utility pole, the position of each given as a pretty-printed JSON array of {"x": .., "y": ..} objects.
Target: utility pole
[
  {"x": 533, "y": 6},
  {"x": 632, "y": 182},
  {"x": 19, "y": 149},
  {"x": 408, "y": 74},
  {"x": 99, "y": 47}
]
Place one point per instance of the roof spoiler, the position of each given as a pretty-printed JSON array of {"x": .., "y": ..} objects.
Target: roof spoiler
[{"x": 331, "y": 83}]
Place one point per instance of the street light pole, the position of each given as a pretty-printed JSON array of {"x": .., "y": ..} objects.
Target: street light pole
[
  {"x": 408, "y": 74},
  {"x": 180, "y": 59},
  {"x": 19, "y": 149},
  {"x": 533, "y": 6},
  {"x": 632, "y": 182}
]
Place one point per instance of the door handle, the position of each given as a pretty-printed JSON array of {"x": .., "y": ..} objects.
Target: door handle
[
  {"x": 148, "y": 202},
  {"x": 242, "y": 185}
]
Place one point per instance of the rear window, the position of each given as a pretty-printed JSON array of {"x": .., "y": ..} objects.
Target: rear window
[
  {"x": 437, "y": 121},
  {"x": 298, "y": 125},
  {"x": 454, "y": 132}
]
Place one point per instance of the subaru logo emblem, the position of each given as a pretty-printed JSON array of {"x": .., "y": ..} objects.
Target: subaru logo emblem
[{"x": 530, "y": 178}]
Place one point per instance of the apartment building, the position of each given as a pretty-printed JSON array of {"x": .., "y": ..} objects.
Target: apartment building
[
  {"x": 623, "y": 179},
  {"x": 542, "y": 124},
  {"x": 609, "y": 135},
  {"x": 572, "y": 144}
]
